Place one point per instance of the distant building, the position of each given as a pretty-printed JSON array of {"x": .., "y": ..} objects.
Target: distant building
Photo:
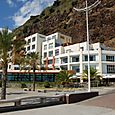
[
  {"x": 58, "y": 52},
  {"x": 34, "y": 43},
  {"x": 56, "y": 55}
]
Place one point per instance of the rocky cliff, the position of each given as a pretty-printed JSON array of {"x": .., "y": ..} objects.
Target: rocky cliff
[{"x": 62, "y": 18}]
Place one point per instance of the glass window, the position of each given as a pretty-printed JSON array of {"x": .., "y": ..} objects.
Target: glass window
[
  {"x": 54, "y": 37},
  {"x": 45, "y": 54},
  {"x": 50, "y": 53},
  {"x": 29, "y": 40},
  {"x": 57, "y": 44},
  {"x": 76, "y": 68},
  {"x": 64, "y": 60},
  {"x": 68, "y": 51},
  {"x": 45, "y": 47},
  {"x": 56, "y": 52},
  {"x": 92, "y": 58},
  {"x": 28, "y": 48},
  {"x": 49, "y": 61},
  {"x": 57, "y": 60},
  {"x": 110, "y": 68},
  {"x": 33, "y": 39},
  {"x": 33, "y": 46},
  {"x": 82, "y": 48},
  {"x": 110, "y": 58},
  {"x": 50, "y": 45},
  {"x": 75, "y": 59},
  {"x": 86, "y": 58},
  {"x": 49, "y": 38}
]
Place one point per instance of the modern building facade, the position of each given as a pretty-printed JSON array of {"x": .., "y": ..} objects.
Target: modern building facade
[
  {"x": 75, "y": 57},
  {"x": 58, "y": 52},
  {"x": 34, "y": 43}
]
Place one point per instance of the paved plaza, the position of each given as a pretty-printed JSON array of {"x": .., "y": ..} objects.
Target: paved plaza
[{"x": 101, "y": 105}]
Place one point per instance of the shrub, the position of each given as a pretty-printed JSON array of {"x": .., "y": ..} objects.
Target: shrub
[
  {"x": 23, "y": 85},
  {"x": 46, "y": 84}
]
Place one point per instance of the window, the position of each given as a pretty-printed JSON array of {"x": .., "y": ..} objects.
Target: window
[
  {"x": 29, "y": 40},
  {"x": 49, "y": 38},
  {"x": 82, "y": 48},
  {"x": 50, "y": 45},
  {"x": 16, "y": 68},
  {"x": 33, "y": 39},
  {"x": 45, "y": 54},
  {"x": 86, "y": 58},
  {"x": 92, "y": 58},
  {"x": 50, "y": 53},
  {"x": 49, "y": 61},
  {"x": 75, "y": 59},
  {"x": 110, "y": 58},
  {"x": 110, "y": 68},
  {"x": 33, "y": 46},
  {"x": 57, "y": 60},
  {"x": 56, "y": 52},
  {"x": 68, "y": 51},
  {"x": 54, "y": 37},
  {"x": 9, "y": 66},
  {"x": 57, "y": 44},
  {"x": 45, "y": 47},
  {"x": 64, "y": 60},
  {"x": 28, "y": 48},
  {"x": 76, "y": 68}
]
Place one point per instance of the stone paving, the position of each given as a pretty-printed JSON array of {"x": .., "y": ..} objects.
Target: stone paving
[{"x": 101, "y": 105}]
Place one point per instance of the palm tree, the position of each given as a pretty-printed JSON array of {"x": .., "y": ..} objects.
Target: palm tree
[
  {"x": 17, "y": 50},
  {"x": 5, "y": 44},
  {"x": 31, "y": 60},
  {"x": 94, "y": 74},
  {"x": 64, "y": 76}
]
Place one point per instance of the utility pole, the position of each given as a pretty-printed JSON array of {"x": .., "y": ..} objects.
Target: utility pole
[{"x": 87, "y": 9}]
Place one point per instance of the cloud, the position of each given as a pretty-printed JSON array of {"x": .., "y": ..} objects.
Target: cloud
[
  {"x": 10, "y": 2},
  {"x": 30, "y": 8}
]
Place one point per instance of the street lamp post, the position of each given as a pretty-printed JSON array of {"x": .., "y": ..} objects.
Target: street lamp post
[{"x": 86, "y": 9}]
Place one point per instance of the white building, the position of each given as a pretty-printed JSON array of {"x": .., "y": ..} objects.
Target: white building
[
  {"x": 75, "y": 57},
  {"x": 52, "y": 46},
  {"x": 57, "y": 53},
  {"x": 34, "y": 43}
]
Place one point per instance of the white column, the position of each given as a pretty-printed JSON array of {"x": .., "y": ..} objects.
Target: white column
[
  {"x": 100, "y": 60},
  {"x": 68, "y": 61},
  {"x": 81, "y": 64}
]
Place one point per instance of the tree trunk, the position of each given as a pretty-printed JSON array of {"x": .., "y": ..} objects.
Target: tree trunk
[
  {"x": 34, "y": 77},
  {"x": 4, "y": 79}
]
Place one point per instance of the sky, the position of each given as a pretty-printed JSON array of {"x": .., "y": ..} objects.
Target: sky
[{"x": 14, "y": 13}]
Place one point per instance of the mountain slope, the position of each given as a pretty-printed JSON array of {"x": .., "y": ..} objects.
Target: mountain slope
[{"x": 62, "y": 18}]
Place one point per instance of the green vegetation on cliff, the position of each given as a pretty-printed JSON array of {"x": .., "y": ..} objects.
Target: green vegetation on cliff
[{"x": 62, "y": 18}]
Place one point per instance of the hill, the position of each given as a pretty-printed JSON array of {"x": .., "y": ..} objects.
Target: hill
[{"x": 60, "y": 17}]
